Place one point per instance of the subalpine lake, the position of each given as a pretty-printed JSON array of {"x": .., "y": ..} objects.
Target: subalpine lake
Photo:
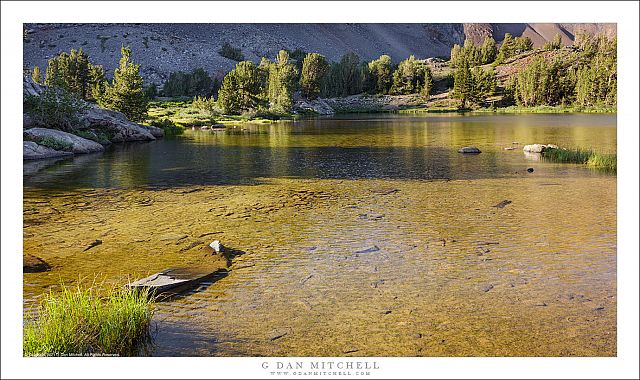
[{"x": 366, "y": 235}]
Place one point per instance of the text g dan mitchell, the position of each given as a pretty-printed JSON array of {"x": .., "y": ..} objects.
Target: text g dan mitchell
[{"x": 321, "y": 365}]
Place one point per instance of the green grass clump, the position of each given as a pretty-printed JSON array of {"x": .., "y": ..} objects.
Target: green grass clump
[
  {"x": 80, "y": 322},
  {"x": 53, "y": 143},
  {"x": 604, "y": 161},
  {"x": 582, "y": 156}
]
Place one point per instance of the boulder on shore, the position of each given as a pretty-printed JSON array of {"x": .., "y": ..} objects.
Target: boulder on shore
[
  {"x": 118, "y": 126},
  {"x": 33, "y": 151},
  {"x": 112, "y": 123},
  {"x": 77, "y": 144},
  {"x": 538, "y": 148},
  {"x": 469, "y": 150}
]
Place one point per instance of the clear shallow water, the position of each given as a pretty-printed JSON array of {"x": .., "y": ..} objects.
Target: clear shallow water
[{"x": 336, "y": 263}]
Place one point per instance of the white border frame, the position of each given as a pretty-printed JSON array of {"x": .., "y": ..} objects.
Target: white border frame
[{"x": 625, "y": 14}]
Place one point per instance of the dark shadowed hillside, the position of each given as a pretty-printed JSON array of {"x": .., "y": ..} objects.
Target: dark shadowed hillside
[{"x": 163, "y": 48}]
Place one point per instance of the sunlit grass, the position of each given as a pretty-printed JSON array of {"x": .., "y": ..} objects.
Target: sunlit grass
[
  {"x": 606, "y": 161},
  {"x": 79, "y": 321},
  {"x": 582, "y": 156}
]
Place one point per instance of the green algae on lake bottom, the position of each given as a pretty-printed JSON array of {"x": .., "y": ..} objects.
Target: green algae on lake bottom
[
  {"x": 372, "y": 236},
  {"x": 549, "y": 258}
]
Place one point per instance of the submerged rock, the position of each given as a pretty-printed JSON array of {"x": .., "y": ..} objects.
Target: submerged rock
[
  {"x": 32, "y": 264},
  {"x": 469, "y": 150},
  {"x": 174, "y": 236},
  {"x": 76, "y": 144},
  {"x": 350, "y": 349},
  {"x": 94, "y": 243},
  {"x": 375, "y": 248},
  {"x": 275, "y": 335},
  {"x": 33, "y": 151},
  {"x": 503, "y": 204},
  {"x": 486, "y": 288}
]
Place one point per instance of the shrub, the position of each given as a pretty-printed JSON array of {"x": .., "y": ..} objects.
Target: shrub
[
  {"x": 228, "y": 51},
  {"x": 151, "y": 91},
  {"x": 168, "y": 126},
  {"x": 53, "y": 143},
  {"x": 80, "y": 322},
  {"x": 207, "y": 105},
  {"x": 55, "y": 108},
  {"x": 196, "y": 83},
  {"x": 97, "y": 136}
]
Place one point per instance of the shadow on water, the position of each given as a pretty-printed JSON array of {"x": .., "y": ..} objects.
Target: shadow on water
[
  {"x": 354, "y": 147},
  {"x": 163, "y": 164},
  {"x": 201, "y": 287}
]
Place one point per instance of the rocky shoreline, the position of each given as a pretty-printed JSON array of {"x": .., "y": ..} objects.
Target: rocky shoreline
[
  {"x": 358, "y": 103},
  {"x": 101, "y": 127}
]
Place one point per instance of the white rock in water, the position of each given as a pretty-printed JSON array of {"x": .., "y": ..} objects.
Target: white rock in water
[
  {"x": 538, "y": 148},
  {"x": 217, "y": 246}
]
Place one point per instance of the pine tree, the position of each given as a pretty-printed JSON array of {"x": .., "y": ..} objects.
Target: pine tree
[
  {"x": 488, "y": 50},
  {"x": 507, "y": 48},
  {"x": 484, "y": 83},
  {"x": 98, "y": 82},
  {"x": 36, "y": 75},
  {"x": 126, "y": 92},
  {"x": 242, "y": 89},
  {"x": 456, "y": 55},
  {"x": 350, "y": 74},
  {"x": 471, "y": 52},
  {"x": 409, "y": 77},
  {"x": 74, "y": 73},
  {"x": 281, "y": 83},
  {"x": 554, "y": 44},
  {"x": 428, "y": 83},
  {"x": 314, "y": 70},
  {"x": 463, "y": 86},
  {"x": 523, "y": 44},
  {"x": 381, "y": 71}
]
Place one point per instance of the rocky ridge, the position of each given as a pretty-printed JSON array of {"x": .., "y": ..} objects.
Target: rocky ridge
[{"x": 164, "y": 48}]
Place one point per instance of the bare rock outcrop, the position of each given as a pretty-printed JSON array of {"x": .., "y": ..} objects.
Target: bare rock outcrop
[
  {"x": 75, "y": 143},
  {"x": 33, "y": 151},
  {"x": 118, "y": 126}
]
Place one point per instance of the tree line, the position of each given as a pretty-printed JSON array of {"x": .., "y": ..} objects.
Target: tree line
[
  {"x": 586, "y": 78},
  {"x": 589, "y": 79},
  {"x": 72, "y": 74},
  {"x": 270, "y": 85}
]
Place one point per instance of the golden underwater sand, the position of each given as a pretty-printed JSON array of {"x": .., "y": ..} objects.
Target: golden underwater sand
[{"x": 354, "y": 267}]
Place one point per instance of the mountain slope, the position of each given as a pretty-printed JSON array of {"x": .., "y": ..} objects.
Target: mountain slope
[{"x": 163, "y": 48}]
